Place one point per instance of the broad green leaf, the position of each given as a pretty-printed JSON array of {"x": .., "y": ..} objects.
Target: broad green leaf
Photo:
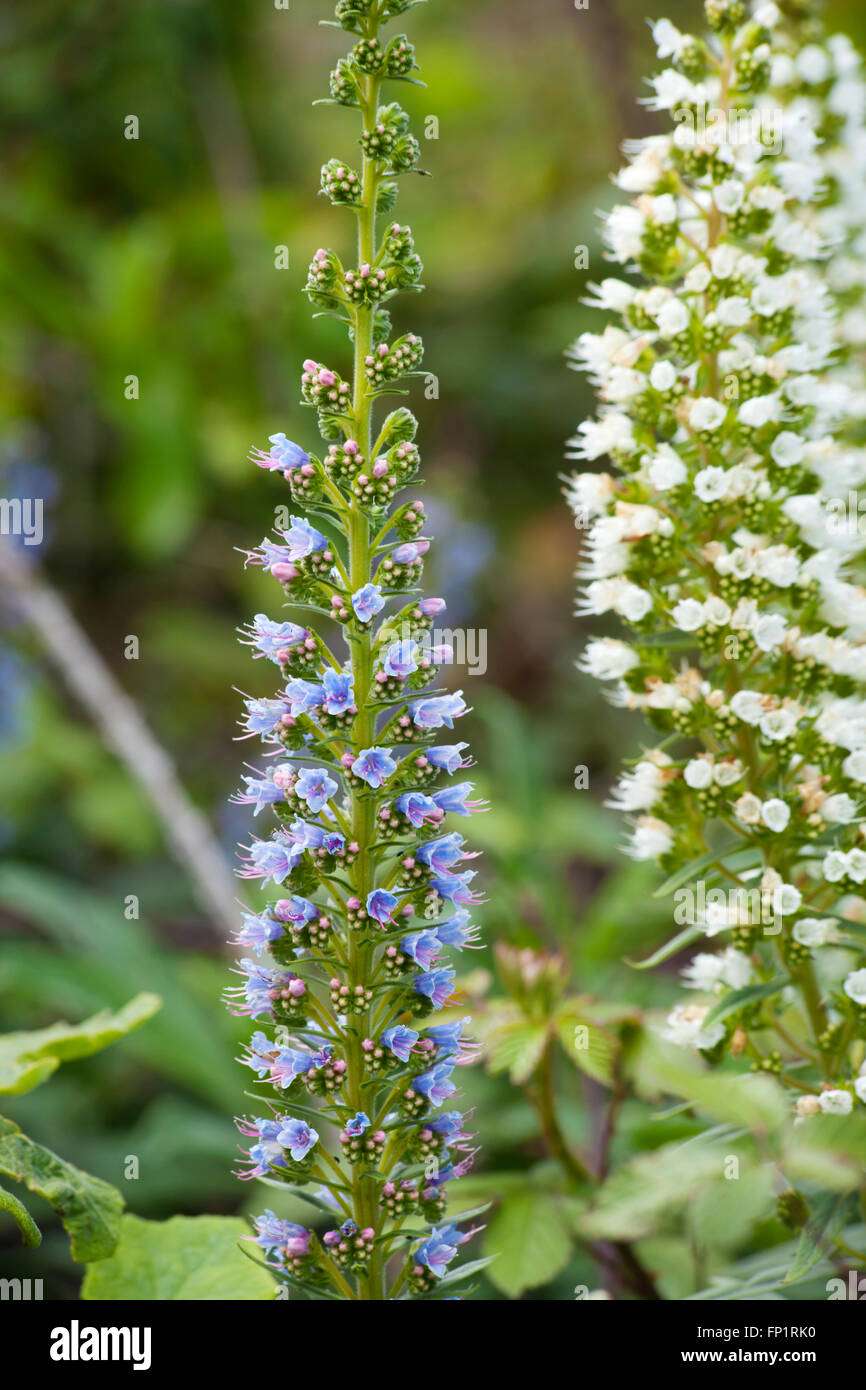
[
  {"x": 30, "y": 1232},
  {"x": 531, "y": 1240},
  {"x": 194, "y": 1258},
  {"x": 740, "y": 998},
  {"x": 588, "y": 1046},
  {"x": 28, "y": 1059},
  {"x": 516, "y": 1047},
  {"x": 649, "y": 1188},
  {"x": 89, "y": 1208}
]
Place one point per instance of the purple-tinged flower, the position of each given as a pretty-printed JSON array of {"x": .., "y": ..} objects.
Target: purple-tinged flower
[
  {"x": 282, "y": 456},
  {"x": 431, "y": 607},
  {"x": 449, "y": 1039},
  {"x": 261, "y": 985},
  {"x": 374, "y": 766},
  {"x": 305, "y": 696},
  {"x": 436, "y": 1084},
  {"x": 339, "y": 688},
  {"x": 450, "y": 1125},
  {"x": 436, "y": 985},
  {"x": 289, "y": 1064},
  {"x": 441, "y": 855},
  {"x": 418, "y": 809},
  {"x": 400, "y": 1040},
  {"x": 457, "y": 931},
  {"x": 449, "y": 757},
  {"x": 258, "y": 931},
  {"x": 267, "y": 1153},
  {"x": 297, "y": 1137},
  {"x": 438, "y": 711},
  {"x": 269, "y": 555},
  {"x": 315, "y": 787},
  {"x": 455, "y": 888},
  {"x": 399, "y": 660},
  {"x": 273, "y": 639},
  {"x": 271, "y": 860},
  {"x": 275, "y": 1236},
  {"x": 367, "y": 602},
  {"x": 356, "y": 1126},
  {"x": 440, "y": 1247},
  {"x": 309, "y": 836},
  {"x": 260, "y": 792},
  {"x": 381, "y": 904},
  {"x": 455, "y": 800},
  {"x": 303, "y": 539},
  {"x": 263, "y": 716},
  {"x": 296, "y": 909},
  {"x": 408, "y": 553},
  {"x": 423, "y": 947}
]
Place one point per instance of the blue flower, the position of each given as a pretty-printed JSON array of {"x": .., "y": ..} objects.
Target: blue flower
[
  {"x": 457, "y": 930},
  {"x": 303, "y": 539},
  {"x": 367, "y": 602},
  {"x": 356, "y": 1126},
  {"x": 448, "y": 1037},
  {"x": 275, "y": 1235},
  {"x": 374, "y": 766},
  {"x": 297, "y": 1137},
  {"x": 455, "y": 800},
  {"x": 271, "y": 860},
  {"x": 381, "y": 904},
  {"x": 263, "y": 716},
  {"x": 305, "y": 696},
  {"x": 436, "y": 1084},
  {"x": 286, "y": 455},
  {"x": 258, "y": 931},
  {"x": 273, "y": 639},
  {"x": 439, "y": 1249},
  {"x": 441, "y": 855},
  {"x": 438, "y": 710},
  {"x": 400, "y": 1040},
  {"x": 418, "y": 808},
  {"x": 400, "y": 660},
  {"x": 423, "y": 947},
  {"x": 315, "y": 787},
  {"x": 436, "y": 985},
  {"x": 339, "y": 688},
  {"x": 448, "y": 756}
]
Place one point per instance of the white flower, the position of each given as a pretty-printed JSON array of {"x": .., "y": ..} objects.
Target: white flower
[
  {"x": 769, "y": 631},
  {"x": 665, "y": 469},
  {"x": 733, "y": 312},
  {"x": 727, "y": 772},
  {"x": 860, "y": 1088},
  {"x": 778, "y": 724},
  {"x": 607, "y": 659},
  {"x": 706, "y": 413},
  {"x": 786, "y": 449},
  {"x": 723, "y": 262},
  {"x": 839, "y": 809},
  {"x": 815, "y": 931},
  {"x": 854, "y": 766},
  {"x": 667, "y": 39},
  {"x": 711, "y": 484},
  {"x": 623, "y": 230},
  {"x": 748, "y": 706},
  {"x": 835, "y": 866},
  {"x": 673, "y": 89},
  {"x": 759, "y": 411},
  {"x": 651, "y": 838},
  {"x": 698, "y": 773},
  {"x": 662, "y": 376},
  {"x": 639, "y": 789},
  {"x": 729, "y": 195},
  {"x": 706, "y": 971},
  {"x": 854, "y": 986},
  {"x": 775, "y": 814},
  {"x": 836, "y": 1102},
  {"x": 688, "y": 615},
  {"x": 684, "y": 1026},
  {"x": 672, "y": 318},
  {"x": 747, "y": 809},
  {"x": 786, "y": 899}
]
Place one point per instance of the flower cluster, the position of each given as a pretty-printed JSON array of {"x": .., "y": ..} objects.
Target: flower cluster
[
  {"x": 728, "y": 383},
  {"x": 371, "y": 886}
]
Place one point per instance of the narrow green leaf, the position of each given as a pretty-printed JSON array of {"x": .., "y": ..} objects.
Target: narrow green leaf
[{"x": 740, "y": 998}]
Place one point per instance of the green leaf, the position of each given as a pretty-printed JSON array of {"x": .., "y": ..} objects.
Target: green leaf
[
  {"x": 676, "y": 943},
  {"x": 713, "y": 856},
  {"x": 648, "y": 1188},
  {"x": 89, "y": 1208},
  {"x": 591, "y": 1049},
  {"x": 740, "y": 998},
  {"x": 28, "y": 1059},
  {"x": 193, "y": 1258},
  {"x": 516, "y": 1047},
  {"x": 30, "y": 1232},
  {"x": 531, "y": 1240},
  {"x": 817, "y": 1236}
]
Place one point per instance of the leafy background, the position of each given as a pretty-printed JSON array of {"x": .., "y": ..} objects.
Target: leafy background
[{"x": 155, "y": 257}]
